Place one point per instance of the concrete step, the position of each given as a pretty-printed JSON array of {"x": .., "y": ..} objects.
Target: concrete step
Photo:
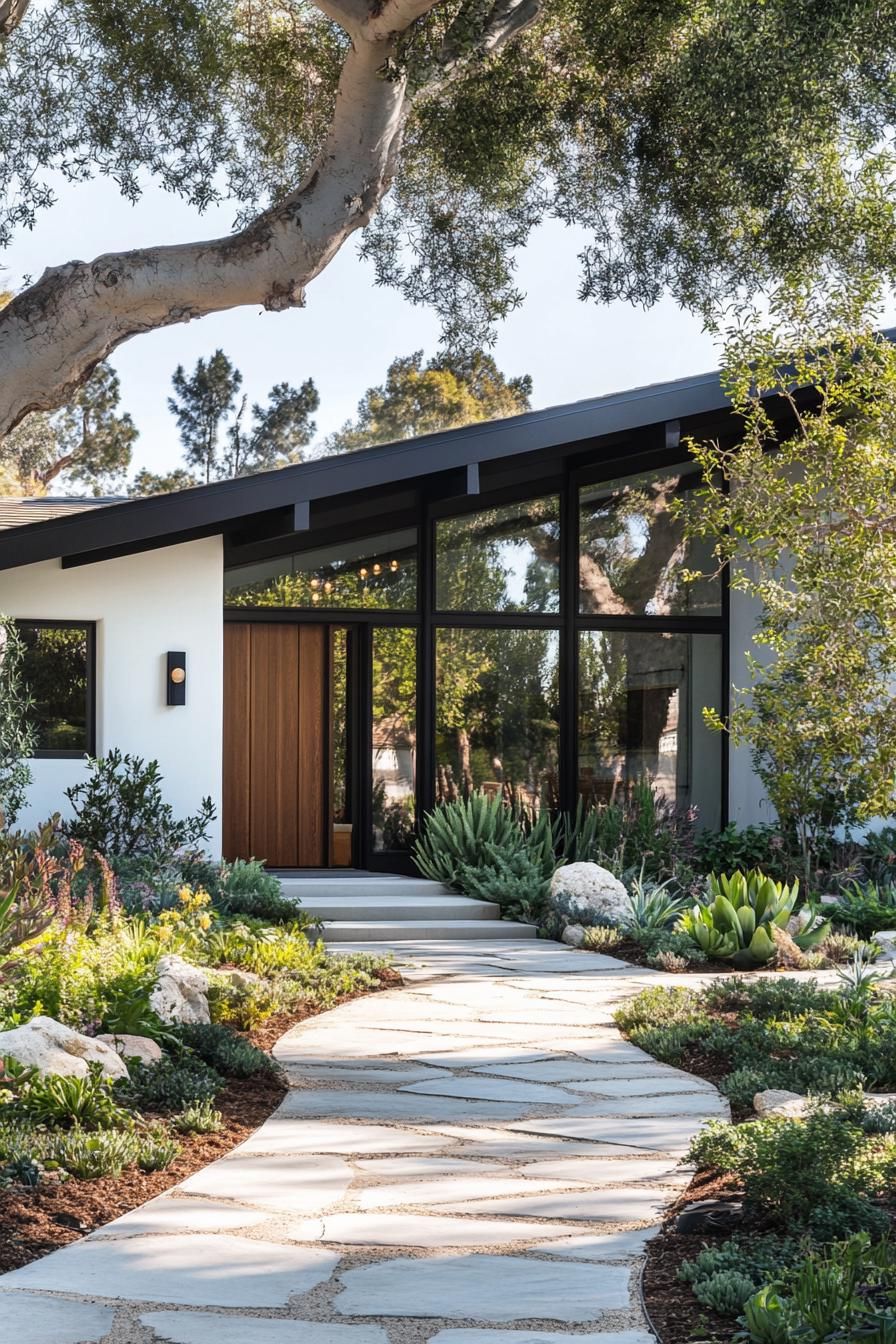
[
  {"x": 382, "y": 888},
  {"x": 396, "y": 908},
  {"x": 425, "y": 930}
]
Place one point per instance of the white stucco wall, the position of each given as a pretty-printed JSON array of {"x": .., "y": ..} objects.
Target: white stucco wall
[
  {"x": 143, "y": 605},
  {"x": 747, "y": 801}
]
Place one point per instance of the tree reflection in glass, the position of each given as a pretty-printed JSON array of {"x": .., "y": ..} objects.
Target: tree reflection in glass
[
  {"x": 497, "y": 714},
  {"x": 504, "y": 559},
  {"x": 394, "y": 736},
  {"x": 632, "y": 554},
  {"x": 641, "y": 697}
]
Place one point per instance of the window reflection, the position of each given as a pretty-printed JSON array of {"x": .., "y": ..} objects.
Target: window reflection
[
  {"x": 376, "y": 572},
  {"x": 497, "y": 714},
  {"x": 55, "y": 671},
  {"x": 394, "y": 736},
  {"x": 632, "y": 550},
  {"x": 504, "y": 559},
  {"x": 641, "y": 698}
]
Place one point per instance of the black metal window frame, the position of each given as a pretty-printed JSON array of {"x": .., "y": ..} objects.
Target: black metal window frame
[
  {"x": 569, "y": 621},
  {"x": 89, "y": 628}
]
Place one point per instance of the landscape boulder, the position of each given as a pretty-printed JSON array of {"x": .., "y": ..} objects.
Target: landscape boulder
[
  {"x": 50, "y": 1047},
  {"x": 244, "y": 980},
  {"x": 591, "y": 893},
  {"x": 142, "y": 1048},
  {"x": 778, "y": 1101},
  {"x": 887, "y": 940},
  {"x": 180, "y": 993},
  {"x": 573, "y": 935}
]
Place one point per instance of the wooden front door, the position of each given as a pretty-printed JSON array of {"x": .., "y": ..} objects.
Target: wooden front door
[{"x": 276, "y": 758}]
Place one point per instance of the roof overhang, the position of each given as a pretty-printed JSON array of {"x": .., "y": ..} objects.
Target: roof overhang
[{"x": 288, "y": 494}]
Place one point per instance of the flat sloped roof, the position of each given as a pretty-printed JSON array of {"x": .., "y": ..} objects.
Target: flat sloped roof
[{"x": 108, "y": 525}]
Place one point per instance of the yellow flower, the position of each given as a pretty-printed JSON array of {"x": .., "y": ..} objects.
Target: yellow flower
[
  {"x": 185, "y": 895},
  {"x": 164, "y": 933},
  {"x": 205, "y": 921}
]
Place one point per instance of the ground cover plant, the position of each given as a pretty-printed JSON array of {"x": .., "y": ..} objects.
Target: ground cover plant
[
  {"x": 76, "y": 1151},
  {"x": 810, "y": 1260}
]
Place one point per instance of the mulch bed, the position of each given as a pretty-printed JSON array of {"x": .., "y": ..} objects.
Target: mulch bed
[
  {"x": 35, "y": 1222},
  {"x": 675, "y": 1314}
]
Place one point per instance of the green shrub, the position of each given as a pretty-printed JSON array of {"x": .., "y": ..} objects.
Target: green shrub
[
  {"x": 663, "y": 945},
  {"x": 119, "y": 809},
  {"x": 811, "y": 1075},
  {"x": 879, "y": 857},
  {"x": 65, "y": 1101},
  {"x": 225, "y": 1052},
  {"x": 514, "y": 880},
  {"x": 660, "y": 1006},
  {"x": 736, "y": 921},
  {"x": 156, "y": 1149},
  {"x": 245, "y": 888},
  {"x": 723, "y": 1277},
  {"x": 602, "y": 938},
  {"x": 842, "y": 1292},
  {"x": 746, "y": 847},
  {"x": 92, "y": 1155},
  {"x": 244, "y": 1007},
  {"x": 792, "y": 1168},
  {"x": 198, "y": 1118},
  {"x": 478, "y": 840},
  {"x": 170, "y": 1085},
  {"x": 866, "y": 907}
]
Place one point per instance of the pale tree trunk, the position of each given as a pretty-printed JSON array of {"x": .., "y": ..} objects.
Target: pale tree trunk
[{"x": 53, "y": 334}]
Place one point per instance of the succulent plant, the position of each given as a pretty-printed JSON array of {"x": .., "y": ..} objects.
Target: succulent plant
[{"x": 735, "y": 921}]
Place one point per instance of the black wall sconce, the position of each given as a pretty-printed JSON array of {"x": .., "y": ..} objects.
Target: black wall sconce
[{"x": 176, "y": 679}]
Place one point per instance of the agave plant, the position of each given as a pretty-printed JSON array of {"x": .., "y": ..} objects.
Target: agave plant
[
  {"x": 655, "y": 905},
  {"x": 481, "y": 835},
  {"x": 736, "y": 919}
]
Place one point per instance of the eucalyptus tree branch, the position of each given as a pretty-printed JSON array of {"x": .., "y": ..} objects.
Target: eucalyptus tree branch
[
  {"x": 393, "y": 17},
  {"x": 12, "y": 12},
  {"x": 55, "y": 332}
]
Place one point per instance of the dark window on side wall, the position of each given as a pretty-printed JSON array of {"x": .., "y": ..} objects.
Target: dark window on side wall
[{"x": 58, "y": 670}]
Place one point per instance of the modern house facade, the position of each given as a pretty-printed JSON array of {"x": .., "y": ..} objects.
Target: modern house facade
[{"x": 330, "y": 649}]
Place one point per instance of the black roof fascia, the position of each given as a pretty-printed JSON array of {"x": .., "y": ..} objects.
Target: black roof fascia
[{"x": 145, "y": 524}]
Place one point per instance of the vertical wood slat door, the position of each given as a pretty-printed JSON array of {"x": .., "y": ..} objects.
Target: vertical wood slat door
[{"x": 275, "y": 735}]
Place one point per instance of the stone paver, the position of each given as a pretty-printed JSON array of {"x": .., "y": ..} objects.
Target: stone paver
[
  {"x": 484, "y": 1288},
  {"x": 482, "y": 1148},
  {"x": 29, "y": 1319}
]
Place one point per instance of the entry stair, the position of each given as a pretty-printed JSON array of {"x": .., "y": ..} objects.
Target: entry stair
[{"x": 380, "y": 908}]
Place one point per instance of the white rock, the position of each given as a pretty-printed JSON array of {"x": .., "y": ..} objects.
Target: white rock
[
  {"x": 180, "y": 993},
  {"x": 778, "y": 1101},
  {"x": 592, "y": 891},
  {"x": 48, "y": 1046},
  {"x": 887, "y": 940},
  {"x": 143, "y": 1048},
  {"x": 573, "y": 935}
]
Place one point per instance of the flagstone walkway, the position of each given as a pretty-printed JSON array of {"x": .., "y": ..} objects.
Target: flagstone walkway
[{"x": 477, "y": 1158}]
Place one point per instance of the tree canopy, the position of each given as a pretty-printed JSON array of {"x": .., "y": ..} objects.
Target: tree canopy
[
  {"x": 701, "y": 147},
  {"x": 211, "y": 418},
  {"x": 88, "y": 443},
  {"x": 801, "y": 510},
  {"x": 419, "y": 398}
]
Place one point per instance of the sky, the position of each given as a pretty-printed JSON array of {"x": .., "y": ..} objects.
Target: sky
[{"x": 351, "y": 329}]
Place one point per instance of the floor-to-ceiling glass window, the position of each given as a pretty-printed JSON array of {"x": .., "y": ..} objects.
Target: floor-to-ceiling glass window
[
  {"x": 649, "y": 646},
  {"x": 393, "y": 736},
  {"x": 497, "y": 680},
  {"x": 538, "y": 649}
]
